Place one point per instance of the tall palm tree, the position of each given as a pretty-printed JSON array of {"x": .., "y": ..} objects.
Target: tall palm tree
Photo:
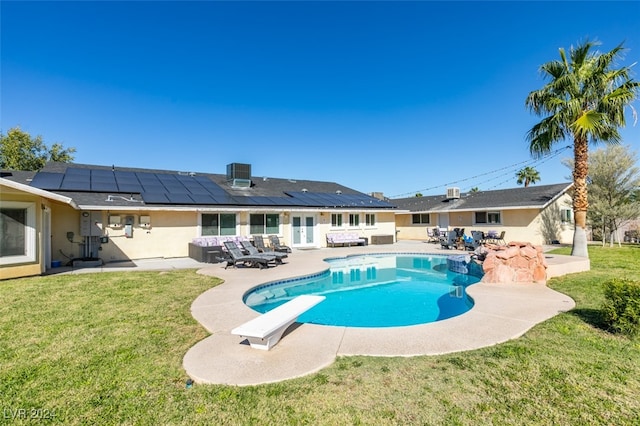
[
  {"x": 528, "y": 175},
  {"x": 584, "y": 99}
]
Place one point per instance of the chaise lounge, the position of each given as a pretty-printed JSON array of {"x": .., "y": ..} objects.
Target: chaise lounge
[
  {"x": 270, "y": 256},
  {"x": 258, "y": 243},
  {"x": 236, "y": 257},
  {"x": 275, "y": 244}
]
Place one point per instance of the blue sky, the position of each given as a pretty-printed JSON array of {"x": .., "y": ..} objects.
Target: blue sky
[{"x": 396, "y": 97}]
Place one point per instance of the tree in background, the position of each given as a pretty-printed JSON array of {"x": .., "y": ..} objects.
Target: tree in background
[
  {"x": 19, "y": 151},
  {"x": 528, "y": 175},
  {"x": 613, "y": 179},
  {"x": 584, "y": 99}
]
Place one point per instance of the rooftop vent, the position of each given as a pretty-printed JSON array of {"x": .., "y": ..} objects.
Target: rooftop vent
[
  {"x": 238, "y": 171},
  {"x": 453, "y": 193}
]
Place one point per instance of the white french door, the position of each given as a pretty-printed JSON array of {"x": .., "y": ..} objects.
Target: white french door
[{"x": 303, "y": 228}]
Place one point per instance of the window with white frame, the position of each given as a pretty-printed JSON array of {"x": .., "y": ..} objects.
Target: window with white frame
[
  {"x": 487, "y": 217},
  {"x": 370, "y": 219},
  {"x": 218, "y": 224},
  {"x": 354, "y": 219},
  {"x": 566, "y": 215},
  {"x": 336, "y": 220},
  {"x": 421, "y": 218},
  {"x": 260, "y": 224},
  {"x": 18, "y": 232}
]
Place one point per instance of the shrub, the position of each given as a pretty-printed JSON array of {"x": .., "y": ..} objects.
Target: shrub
[{"x": 621, "y": 309}]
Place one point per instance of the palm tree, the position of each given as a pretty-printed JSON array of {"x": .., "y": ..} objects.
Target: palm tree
[
  {"x": 584, "y": 99},
  {"x": 528, "y": 175}
]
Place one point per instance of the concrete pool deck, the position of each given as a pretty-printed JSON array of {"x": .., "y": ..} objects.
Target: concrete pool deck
[{"x": 501, "y": 312}]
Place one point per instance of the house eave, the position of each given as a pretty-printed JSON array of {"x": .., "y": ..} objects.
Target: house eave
[{"x": 38, "y": 192}]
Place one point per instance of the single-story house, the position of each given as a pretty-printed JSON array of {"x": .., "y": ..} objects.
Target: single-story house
[
  {"x": 539, "y": 214},
  {"x": 72, "y": 211},
  {"x": 68, "y": 212}
]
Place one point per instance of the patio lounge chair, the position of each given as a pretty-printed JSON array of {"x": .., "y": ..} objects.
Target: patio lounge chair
[
  {"x": 270, "y": 256},
  {"x": 258, "y": 242},
  {"x": 237, "y": 257},
  {"x": 450, "y": 241},
  {"x": 275, "y": 244}
]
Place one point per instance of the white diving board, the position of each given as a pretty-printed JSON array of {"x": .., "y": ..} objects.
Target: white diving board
[{"x": 266, "y": 330}]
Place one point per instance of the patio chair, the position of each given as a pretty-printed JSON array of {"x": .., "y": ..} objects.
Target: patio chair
[
  {"x": 271, "y": 256},
  {"x": 275, "y": 244},
  {"x": 450, "y": 241},
  {"x": 258, "y": 242},
  {"x": 433, "y": 235},
  {"x": 477, "y": 241},
  {"x": 500, "y": 239},
  {"x": 237, "y": 257}
]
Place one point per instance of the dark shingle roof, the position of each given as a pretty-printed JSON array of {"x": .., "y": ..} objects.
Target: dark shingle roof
[
  {"x": 210, "y": 189},
  {"x": 535, "y": 196}
]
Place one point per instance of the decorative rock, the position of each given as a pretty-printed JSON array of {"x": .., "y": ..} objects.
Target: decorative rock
[{"x": 515, "y": 262}]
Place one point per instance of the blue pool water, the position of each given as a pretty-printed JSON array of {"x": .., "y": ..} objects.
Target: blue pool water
[{"x": 375, "y": 291}]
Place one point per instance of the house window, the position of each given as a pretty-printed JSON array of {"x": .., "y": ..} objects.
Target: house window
[
  {"x": 264, "y": 224},
  {"x": 218, "y": 224},
  {"x": 18, "y": 233},
  {"x": 354, "y": 219},
  {"x": 370, "y": 219},
  {"x": 336, "y": 220},
  {"x": 493, "y": 217},
  {"x": 566, "y": 215},
  {"x": 487, "y": 217},
  {"x": 421, "y": 218}
]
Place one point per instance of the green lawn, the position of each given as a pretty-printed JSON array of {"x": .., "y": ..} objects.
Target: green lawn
[{"x": 107, "y": 349}]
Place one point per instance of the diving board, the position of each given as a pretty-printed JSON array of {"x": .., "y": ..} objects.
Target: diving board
[{"x": 266, "y": 330}]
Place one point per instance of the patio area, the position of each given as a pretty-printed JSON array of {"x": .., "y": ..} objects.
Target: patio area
[{"x": 501, "y": 312}]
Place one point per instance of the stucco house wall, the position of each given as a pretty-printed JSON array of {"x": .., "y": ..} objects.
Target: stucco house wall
[
  {"x": 519, "y": 224},
  {"x": 170, "y": 232},
  {"x": 37, "y": 232}
]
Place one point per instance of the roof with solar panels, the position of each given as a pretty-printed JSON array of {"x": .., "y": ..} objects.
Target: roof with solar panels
[{"x": 110, "y": 186}]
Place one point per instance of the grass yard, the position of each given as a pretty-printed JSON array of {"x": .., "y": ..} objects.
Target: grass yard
[{"x": 107, "y": 349}]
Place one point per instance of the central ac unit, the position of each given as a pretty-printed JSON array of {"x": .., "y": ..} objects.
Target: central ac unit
[{"x": 453, "y": 193}]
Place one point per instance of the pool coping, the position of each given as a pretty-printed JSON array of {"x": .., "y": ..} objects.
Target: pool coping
[{"x": 501, "y": 312}]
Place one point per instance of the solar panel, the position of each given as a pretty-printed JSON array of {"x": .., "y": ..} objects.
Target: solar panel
[
  {"x": 203, "y": 199},
  {"x": 151, "y": 198},
  {"x": 329, "y": 199},
  {"x": 212, "y": 187},
  {"x": 104, "y": 186},
  {"x": 72, "y": 171},
  {"x": 283, "y": 201},
  {"x": 47, "y": 180},
  {"x": 126, "y": 187},
  {"x": 153, "y": 188},
  {"x": 179, "y": 198},
  {"x": 75, "y": 184},
  {"x": 106, "y": 183},
  {"x": 262, "y": 201}
]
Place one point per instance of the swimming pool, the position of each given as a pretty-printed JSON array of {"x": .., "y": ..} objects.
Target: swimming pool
[{"x": 389, "y": 290}]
